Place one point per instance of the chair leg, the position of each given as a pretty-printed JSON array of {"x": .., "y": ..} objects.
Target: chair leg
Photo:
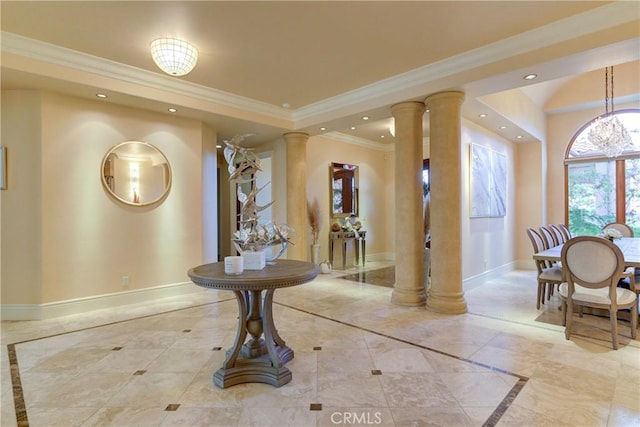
[
  {"x": 634, "y": 320},
  {"x": 541, "y": 287},
  {"x": 613, "y": 316},
  {"x": 568, "y": 318},
  {"x": 564, "y": 312}
]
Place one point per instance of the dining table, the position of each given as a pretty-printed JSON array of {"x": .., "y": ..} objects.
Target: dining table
[{"x": 629, "y": 246}]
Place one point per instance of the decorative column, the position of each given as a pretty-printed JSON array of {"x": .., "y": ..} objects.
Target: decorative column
[
  {"x": 409, "y": 287},
  {"x": 296, "y": 143},
  {"x": 445, "y": 294}
]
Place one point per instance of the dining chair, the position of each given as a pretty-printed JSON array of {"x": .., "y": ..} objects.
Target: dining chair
[
  {"x": 559, "y": 234},
  {"x": 548, "y": 237},
  {"x": 548, "y": 275},
  {"x": 565, "y": 230},
  {"x": 623, "y": 228},
  {"x": 592, "y": 268}
]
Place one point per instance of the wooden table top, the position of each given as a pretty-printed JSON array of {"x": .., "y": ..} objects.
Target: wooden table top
[{"x": 284, "y": 273}]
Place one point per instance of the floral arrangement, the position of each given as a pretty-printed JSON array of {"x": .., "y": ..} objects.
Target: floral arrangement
[
  {"x": 252, "y": 236},
  {"x": 611, "y": 234},
  {"x": 313, "y": 213}
]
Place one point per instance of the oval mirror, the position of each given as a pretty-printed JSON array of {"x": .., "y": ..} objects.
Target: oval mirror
[{"x": 136, "y": 173}]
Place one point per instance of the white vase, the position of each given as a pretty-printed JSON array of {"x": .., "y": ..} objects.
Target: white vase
[{"x": 315, "y": 253}]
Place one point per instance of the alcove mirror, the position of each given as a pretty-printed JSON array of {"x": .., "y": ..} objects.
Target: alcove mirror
[
  {"x": 343, "y": 187},
  {"x": 136, "y": 173}
]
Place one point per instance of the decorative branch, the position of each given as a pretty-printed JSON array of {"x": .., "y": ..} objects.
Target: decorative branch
[{"x": 313, "y": 213}]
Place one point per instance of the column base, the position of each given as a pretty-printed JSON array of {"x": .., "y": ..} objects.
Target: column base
[
  {"x": 408, "y": 298},
  {"x": 447, "y": 304}
]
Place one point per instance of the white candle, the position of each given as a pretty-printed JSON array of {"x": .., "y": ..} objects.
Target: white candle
[{"x": 233, "y": 265}]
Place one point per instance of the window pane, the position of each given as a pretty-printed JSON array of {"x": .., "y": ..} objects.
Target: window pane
[
  {"x": 592, "y": 197},
  {"x": 583, "y": 147},
  {"x": 632, "y": 194}
]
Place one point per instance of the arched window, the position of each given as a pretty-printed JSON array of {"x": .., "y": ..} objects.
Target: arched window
[{"x": 599, "y": 189}]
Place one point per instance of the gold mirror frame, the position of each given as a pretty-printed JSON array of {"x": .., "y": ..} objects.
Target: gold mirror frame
[
  {"x": 136, "y": 173},
  {"x": 343, "y": 190}
]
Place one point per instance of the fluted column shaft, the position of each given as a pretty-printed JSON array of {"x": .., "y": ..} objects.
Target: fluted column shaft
[
  {"x": 445, "y": 294},
  {"x": 296, "y": 143},
  {"x": 409, "y": 235}
]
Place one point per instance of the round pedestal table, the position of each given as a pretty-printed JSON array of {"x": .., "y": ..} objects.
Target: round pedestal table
[{"x": 261, "y": 358}]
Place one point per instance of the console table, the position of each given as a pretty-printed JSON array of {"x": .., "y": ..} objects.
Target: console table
[
  {"x": 344, "y": 237},
  {"x": 259, "y": 359}
]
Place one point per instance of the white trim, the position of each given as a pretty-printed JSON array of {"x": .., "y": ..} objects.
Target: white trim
[
  {"x": 46, "y": 52},
  {"x": 494, "y": 273},
  {"x": 381, "y": 257},
  {"x": 597, "y": 19},
  {"x": 569, "y": 28},
  {"x": 97, "y": 302},
  {"x": 354, "y": 140}
]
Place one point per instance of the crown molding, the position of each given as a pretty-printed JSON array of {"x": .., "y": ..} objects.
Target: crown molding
[
  {"x": 604, "y": 17},
  {"x": 601, "y": 18},
  {"x": 354, "y": 140},
  {"x": 49, "y": 53}
]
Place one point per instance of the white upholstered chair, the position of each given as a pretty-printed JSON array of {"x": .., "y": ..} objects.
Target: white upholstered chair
[
  {"x": 560, "y": 237},
  {"x": 592, "y": 267},
  {"x": 548, "y": 275},
  {"x": 623, "y": 228},
  {"x": 565, "y": 231},
  {"x": 548, "y": 236}
]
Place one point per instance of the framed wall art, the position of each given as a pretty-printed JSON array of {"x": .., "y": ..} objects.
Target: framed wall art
[{"x": 488, "y": 182}]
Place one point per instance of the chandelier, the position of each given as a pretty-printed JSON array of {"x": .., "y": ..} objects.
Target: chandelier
[
  {"x": 607, "y": 133},
  {"x": 173, "y": 56}
]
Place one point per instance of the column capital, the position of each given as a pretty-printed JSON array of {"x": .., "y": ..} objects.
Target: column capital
[
  {"x": 294, "y": 136},
  {"x": 450, "y": 95},
  {"x": 411, "y": 106}
]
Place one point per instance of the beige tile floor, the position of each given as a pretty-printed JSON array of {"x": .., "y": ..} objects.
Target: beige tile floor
[{"x": 359, "y": 360}]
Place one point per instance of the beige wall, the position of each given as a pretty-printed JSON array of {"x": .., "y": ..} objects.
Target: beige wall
[
  {"x": 376, "y": 189},
  {"x": 64, "y": 238},
  {"x": 21, "y": 202},
  {"x": 68, "y": 239},
  {"x": 487, "y": 243},
  {"x": 528, "y": 161}
]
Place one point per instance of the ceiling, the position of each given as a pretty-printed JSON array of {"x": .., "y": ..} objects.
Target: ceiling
[{"x": 274, "y": 67}]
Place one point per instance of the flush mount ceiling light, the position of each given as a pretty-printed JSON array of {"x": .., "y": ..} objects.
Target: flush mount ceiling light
[
  {"x": 173, "y": 56},
  {"x": 530, "y": 76}
]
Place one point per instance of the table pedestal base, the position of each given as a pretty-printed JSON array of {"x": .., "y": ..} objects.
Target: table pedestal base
[
  {"x": 259, "y": 359},
  {"x": 256, "y": 370}
]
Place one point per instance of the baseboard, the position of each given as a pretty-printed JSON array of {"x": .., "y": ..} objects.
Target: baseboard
[
  {"x": 473, "y": 281},
  {"x": 382, "y": 256},
  {"x": 97, "y": 302}
]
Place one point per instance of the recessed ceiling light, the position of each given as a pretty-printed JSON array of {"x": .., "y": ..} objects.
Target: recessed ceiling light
[
  {"x": 365, "y": 117},
  {"x": 503, "y": 127},
  {"x": 172, "y": 110},
  {"x": 483, "y": 115},
  {"x": 519, "y": 136},
  {"x": 530, "y": 76},
  {"x": 381, "y": 136},
  {"x": 323, "y": 128},
  {"x": 101, "y": 95},
  {"x": 353, "y": 128}
]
